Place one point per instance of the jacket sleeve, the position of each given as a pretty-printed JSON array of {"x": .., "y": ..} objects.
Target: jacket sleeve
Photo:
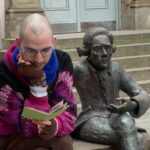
[
  {"x": 11, "y": 104},
  {"x": 63, "y": 91},
  {"x": 143, "y": 103},
  {"x": 136, "y": 93}
]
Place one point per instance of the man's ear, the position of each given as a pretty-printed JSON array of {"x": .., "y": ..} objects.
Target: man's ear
[
  {"x": 54, "y": 40},
  {"x": 18, "y": 42}
]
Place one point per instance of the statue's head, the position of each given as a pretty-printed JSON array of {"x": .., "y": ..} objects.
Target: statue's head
[{"x": 98, "y": 46}]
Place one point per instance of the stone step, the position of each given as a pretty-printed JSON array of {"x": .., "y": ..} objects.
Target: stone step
[
  {"x": 145, "y": 84},
  {"x": 69, "y": 41},
  {"x": 125, "y": 62},
  {"x": 138, "y": 74},
  {"x": 82, "y": 145},
  {"x": 131, "y": 61},
  {"x": 142, "y": 73},
  {"x": 132, "y": 50},
  {"x": 122, "y": 50},
  {"x": 120, "y": 38}
]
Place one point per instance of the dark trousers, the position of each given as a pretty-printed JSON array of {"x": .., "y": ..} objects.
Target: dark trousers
[{"x": 36, "y": 143}]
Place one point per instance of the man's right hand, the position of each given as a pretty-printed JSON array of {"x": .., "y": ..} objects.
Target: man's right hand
[
  {"x": 46, "y": 129},
  {"x": 28, "y": 70}
]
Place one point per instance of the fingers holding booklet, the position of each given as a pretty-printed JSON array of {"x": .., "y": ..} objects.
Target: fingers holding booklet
[{"x": 34, "y": 114}]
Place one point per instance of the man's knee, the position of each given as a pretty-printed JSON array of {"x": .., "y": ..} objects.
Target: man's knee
[
  {"x": 125, "y": 122},
  {"x": 66, "y": 142}
]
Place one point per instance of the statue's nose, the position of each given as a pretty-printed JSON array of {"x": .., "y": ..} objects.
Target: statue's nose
[{"x": 104, "y": 53}]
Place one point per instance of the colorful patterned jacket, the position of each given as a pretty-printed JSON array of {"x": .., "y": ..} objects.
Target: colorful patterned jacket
[{"x": 14, "y": 92}]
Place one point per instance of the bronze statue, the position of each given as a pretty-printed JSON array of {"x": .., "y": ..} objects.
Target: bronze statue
[{"x": 105, "y": 118}]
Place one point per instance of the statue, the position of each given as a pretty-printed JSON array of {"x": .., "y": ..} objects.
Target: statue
[{"x": 107, "y": 118}]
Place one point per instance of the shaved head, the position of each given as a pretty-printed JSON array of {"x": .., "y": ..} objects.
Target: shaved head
[{"x": 36, "y": 23}]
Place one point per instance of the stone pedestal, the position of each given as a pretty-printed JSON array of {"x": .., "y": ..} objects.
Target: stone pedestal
[{"x": 17, "y": 11}]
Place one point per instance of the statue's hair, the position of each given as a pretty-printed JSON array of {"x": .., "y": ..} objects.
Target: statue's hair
[
  {"x": 91, "y": 33},
  {"x": 36, "y": 22}
]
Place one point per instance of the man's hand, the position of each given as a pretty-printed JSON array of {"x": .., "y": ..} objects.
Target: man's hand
[
  {"x": 46, "y": 129},
  {"x": 27, "y": 69},
  {"x": 127, "y": 105}
]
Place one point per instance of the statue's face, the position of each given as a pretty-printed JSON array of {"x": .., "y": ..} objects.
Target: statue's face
[{"x": 101, "y": 52}]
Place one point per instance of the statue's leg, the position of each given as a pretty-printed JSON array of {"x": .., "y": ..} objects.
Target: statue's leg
[
  {"x": 140, "y": 141},
  {"x": 97, "y": 130},
  {"x": 126, "y": 132}
]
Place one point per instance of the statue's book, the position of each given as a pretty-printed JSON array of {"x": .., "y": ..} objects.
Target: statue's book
[{"x": 34, "y": 114}]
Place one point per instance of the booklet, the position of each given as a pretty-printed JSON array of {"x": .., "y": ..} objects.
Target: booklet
[{"x": 34, "y": 114}]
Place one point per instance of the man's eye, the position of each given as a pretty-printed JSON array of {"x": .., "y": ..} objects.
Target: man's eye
[
  {"x": 28, "y": 50},
  {"x": 46, "y": 50}
]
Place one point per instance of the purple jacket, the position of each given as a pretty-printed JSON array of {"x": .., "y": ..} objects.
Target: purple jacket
[{"x": 15, "y": 94}]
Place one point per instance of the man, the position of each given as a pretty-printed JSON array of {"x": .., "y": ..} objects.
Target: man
[
  {"x": 104, "y": 117},
  {"x": 34, "y": 74}
]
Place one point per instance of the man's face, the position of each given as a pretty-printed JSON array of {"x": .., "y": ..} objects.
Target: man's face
[
  {"x": 37, "y": 49},
  {"x": 101, "y": 52}
]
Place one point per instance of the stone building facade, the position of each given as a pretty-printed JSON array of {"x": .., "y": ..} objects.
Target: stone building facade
[{"x": 134, "y": 15}]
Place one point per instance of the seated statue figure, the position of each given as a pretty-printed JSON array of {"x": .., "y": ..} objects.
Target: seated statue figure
[{"x": 107, "y": 118}]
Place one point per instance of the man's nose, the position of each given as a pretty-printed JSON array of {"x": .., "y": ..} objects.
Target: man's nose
[{"x": 39, "y": 57}]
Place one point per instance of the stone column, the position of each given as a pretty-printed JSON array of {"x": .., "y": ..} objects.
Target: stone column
[
  {"x": 127, "y": 16},
  {"x": 2, "y": 22},
  {"x": 135, "y": 14},
  {"x": 17, "y": 11},
  {"x": 142, "y": 13}
]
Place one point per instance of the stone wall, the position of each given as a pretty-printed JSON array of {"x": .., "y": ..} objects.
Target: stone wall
[
  {"x": 135, "y": 14},
  {"x": 16, "y": 11}
]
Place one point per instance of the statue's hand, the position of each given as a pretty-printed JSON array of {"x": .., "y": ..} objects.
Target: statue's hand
[{"x": 126, "y": 105}]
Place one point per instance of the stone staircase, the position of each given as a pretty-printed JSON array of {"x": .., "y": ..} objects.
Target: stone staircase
[{"x": 133, "y": 53}]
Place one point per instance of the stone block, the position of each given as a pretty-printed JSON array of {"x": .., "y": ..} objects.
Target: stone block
[
  {"x": 25, "y": 4},
  {"x": 147, "y": 141},
  {"x": 14, "y": 18},
  {"x": 128, "y": 22},
  {"x": 82, "y": 145}
]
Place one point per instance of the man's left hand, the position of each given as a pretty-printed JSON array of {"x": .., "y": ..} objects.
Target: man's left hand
[{"x": 46, "y": 129}]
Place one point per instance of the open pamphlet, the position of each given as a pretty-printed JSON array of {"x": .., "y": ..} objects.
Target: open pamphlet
[{"x": 34, "y": 114}]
